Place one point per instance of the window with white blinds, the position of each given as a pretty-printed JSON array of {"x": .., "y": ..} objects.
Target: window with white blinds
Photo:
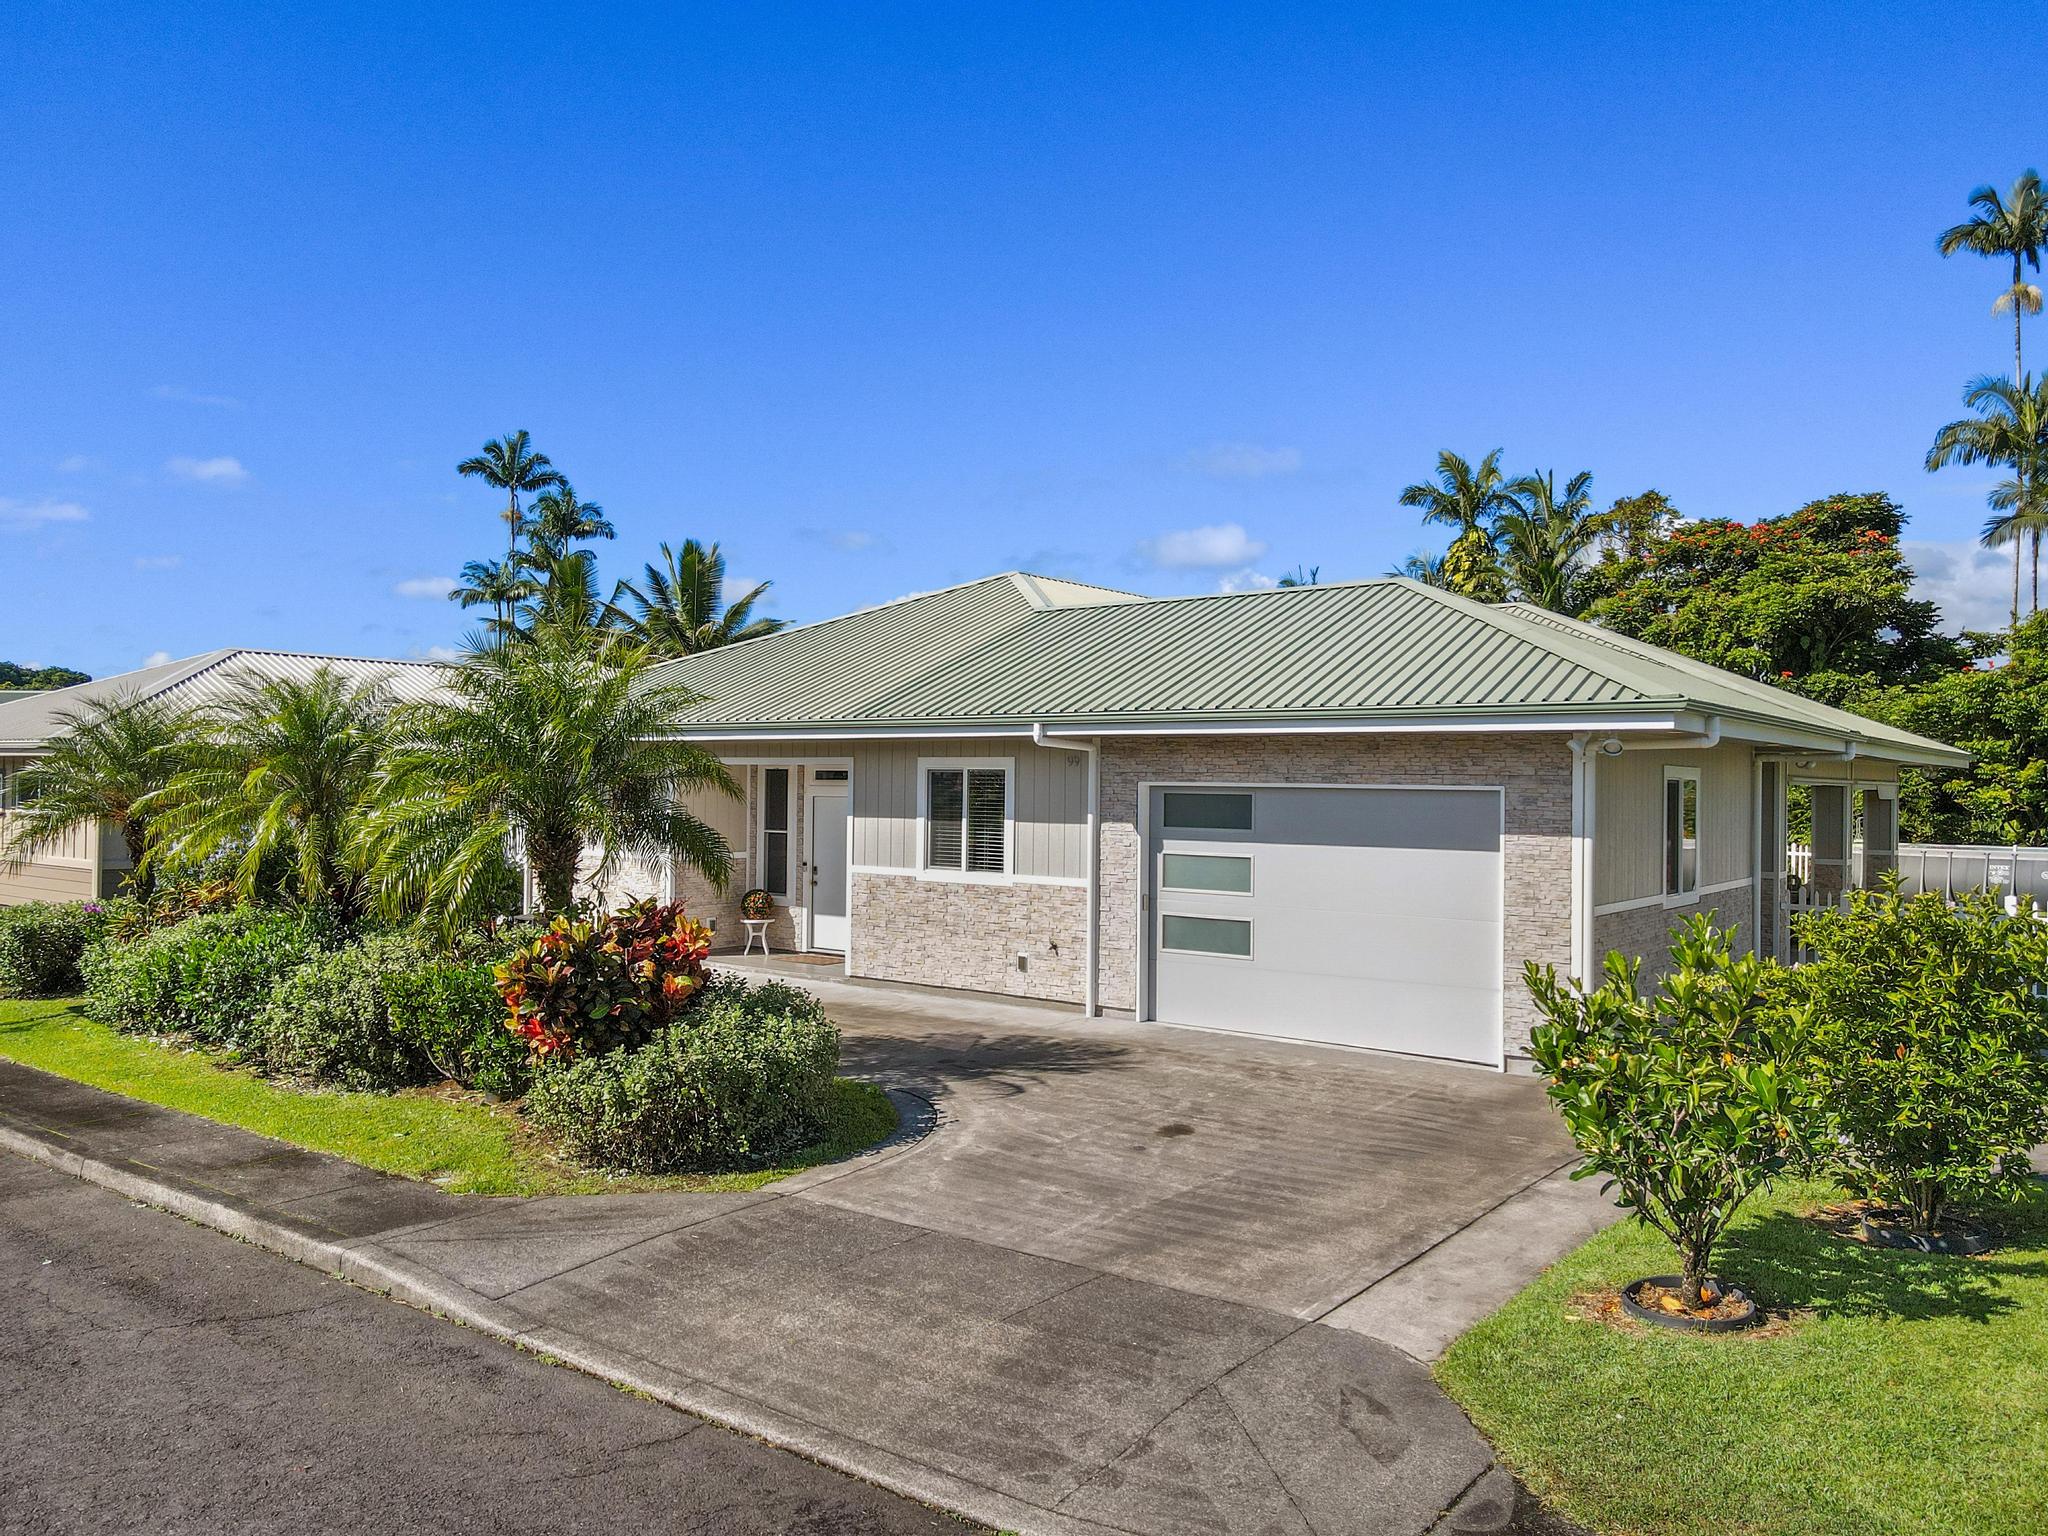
[{"x": 966, "y": 820}]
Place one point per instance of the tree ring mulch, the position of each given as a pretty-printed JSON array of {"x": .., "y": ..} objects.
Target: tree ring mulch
[
  {"x": 1883, "y": 1226},
  {"x": 1645, "y": 1301}
]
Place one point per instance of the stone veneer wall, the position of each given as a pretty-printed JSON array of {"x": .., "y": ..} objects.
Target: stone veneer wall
[
  {"x": 955, "y": 933},
  {"x": 1645, "y": 932},
  {"x": 1535, "y": 772}
]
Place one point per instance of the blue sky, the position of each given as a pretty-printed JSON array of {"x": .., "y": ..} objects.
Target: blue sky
[{"x": 885, "y": 298}]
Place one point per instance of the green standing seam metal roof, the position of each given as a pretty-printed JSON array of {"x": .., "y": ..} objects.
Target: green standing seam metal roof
[{"x": 1015, "y": 650}]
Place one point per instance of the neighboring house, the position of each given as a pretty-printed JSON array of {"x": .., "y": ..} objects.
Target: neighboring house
[
  {"x": 95, "y": 862},
  {"x": 1343, "y": 813}
]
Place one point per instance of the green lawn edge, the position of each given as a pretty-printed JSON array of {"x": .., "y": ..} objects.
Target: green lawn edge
[
  {"x": 460, "y": 1142},
  {"x": 1902, "y": 1395}
]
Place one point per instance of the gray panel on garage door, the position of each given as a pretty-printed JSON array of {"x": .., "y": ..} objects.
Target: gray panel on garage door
[{"x": 1373, "y": 919}]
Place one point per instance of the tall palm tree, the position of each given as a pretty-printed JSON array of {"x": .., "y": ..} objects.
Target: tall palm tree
[
  {"x": 108, "y": 758},
  {"x": 681, "y": 608},
  {"x": 511, "y": 464},
  {"x": 2019, "y": 516},
  {"x": 1425, "y": 568},
  {"x": 1461, "y": 496},
  {"x": 559, "y": 518},
  {"x": 550, "y": 745},
  {"x": 503, "y": 584},
  {"x": 564, "y": 600},
  {"x": 2015, "y": 225},
  {"x": 282, "y": 766},
  {"x": 1543, "y": 538},
  {"x": 2009, "y": 429}
]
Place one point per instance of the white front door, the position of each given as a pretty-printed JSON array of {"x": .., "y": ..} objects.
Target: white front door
[{"x": 825, "y": 823}]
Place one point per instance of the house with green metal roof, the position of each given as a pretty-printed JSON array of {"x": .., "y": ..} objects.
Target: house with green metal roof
[{"x": 1344, "y": 813}]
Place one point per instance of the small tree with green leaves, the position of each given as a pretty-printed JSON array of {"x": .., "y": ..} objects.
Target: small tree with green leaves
[
  {"x": 1685, "y": 1097},
  {"x": 1928, "y": 1046}
]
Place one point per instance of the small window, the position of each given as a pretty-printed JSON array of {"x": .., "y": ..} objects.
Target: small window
[
  {"x": 775, "y": 830},
  {"x": 1681, "y": 831},
  {"x": 1205, "y": 812},
  {"x": 1206, "y": 872},
  {"x": 967, "y": 820},
  {"x": 1207, "y": 936}
]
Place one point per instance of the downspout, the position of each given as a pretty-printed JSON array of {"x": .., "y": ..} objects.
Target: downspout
[
  {"x": 1584, "y": 773},
  {"x": 1091, "y": 1002}
]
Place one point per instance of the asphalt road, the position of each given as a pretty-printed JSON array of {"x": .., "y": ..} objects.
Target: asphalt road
[{"x": 155, "y": 1376}]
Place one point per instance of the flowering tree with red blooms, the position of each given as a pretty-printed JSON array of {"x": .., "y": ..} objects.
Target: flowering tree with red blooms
[
  {"x": 1819, "y": 600},
  {"x": 587, "y": 987}
]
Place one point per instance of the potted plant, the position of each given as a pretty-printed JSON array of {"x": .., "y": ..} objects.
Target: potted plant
[
  {"x": 1683, "y": 1097},
  {"x": 757, "y": 905},
  {"x": 1929, "y": 1054}
]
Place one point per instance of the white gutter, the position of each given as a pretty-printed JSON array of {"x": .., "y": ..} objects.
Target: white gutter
[
  {"x": 1494, "y": 724},
  {"x": 1091, "y": 1002},
  {"x": 1709, "y": 737}
]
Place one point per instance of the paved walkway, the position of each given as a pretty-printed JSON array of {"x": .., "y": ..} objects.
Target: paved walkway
[{"x": 1078, "y": 1354}]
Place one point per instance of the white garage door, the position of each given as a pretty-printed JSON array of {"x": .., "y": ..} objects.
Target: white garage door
[{"x": 1364, "y": 917}]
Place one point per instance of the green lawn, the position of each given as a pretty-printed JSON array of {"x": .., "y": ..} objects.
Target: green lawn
[
  {"x": 459, "y": 1141},
  {"x": 1906, "y": 1394}
]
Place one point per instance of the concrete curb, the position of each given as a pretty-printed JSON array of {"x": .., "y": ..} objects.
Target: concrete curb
[{"x": 357, "y": 1262}]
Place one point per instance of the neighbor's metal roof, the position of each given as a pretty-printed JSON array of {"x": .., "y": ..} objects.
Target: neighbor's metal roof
[
  {"x": 201, "y": 680},
  {"x": 1015, "y": 650}
]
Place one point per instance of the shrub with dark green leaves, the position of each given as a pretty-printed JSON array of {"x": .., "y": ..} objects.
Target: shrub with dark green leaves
[
  {"x": 1687, "y": 1098},
  {"x": 1930, "y": 1046},
  {"x": 207, "y": 977},
  {"x": 744, "y": 1078},
  {"x": 453, "y": 1015},
  {"x": 330, "y": 1020},
  {"x": 42, "y": 943}
]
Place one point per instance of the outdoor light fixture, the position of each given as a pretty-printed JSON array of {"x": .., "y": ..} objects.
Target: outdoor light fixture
[{"x": 1611, "y": 747}]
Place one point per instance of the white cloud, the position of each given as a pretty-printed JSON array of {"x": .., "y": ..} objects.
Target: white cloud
[
  {"x": 1243, "y": 461},
  {"x": 194, "y": 397},
  {"x": 425, "y": 586},
  {"x": 157, "y": 659},
  {"x": 446, "y": 653},
  {"x": 852, "y": 541},
  {"x": 158, "y": 562},
  {"x": 1246, "y": 580},
  {"x": 737, "y": 587},
  {"x": 220, "y": 471},
  {"x": 1972, "y": 584},
  {"x": 1213, "y": 548},
  {"x": 21, "y": 516}
]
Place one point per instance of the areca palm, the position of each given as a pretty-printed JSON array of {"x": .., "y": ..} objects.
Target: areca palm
[
  {"x": 107, "y": 759},
  {"x": 281, "y": 768},
  {"x": 2014, "y": 226},
  {"x": 2020, "y": 516},
  {"x": 503, "y": 584},
  {"x": 2009, "y": 429},
  {"x": 681, "y": 609},
  {"x": 1543, "y": 538},
  {"x": 560, "y": 518},
  {"x": 511, "y": 464},
  {"x": 548, "y": 745},
  {"x": 1464, "y": 497}
]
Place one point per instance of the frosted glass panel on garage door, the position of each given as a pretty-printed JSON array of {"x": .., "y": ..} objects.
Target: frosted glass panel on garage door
[{"x": 1374, "y": 918}]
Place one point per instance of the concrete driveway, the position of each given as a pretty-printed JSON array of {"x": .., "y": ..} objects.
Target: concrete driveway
[{"x": 1297, "y": 1179}]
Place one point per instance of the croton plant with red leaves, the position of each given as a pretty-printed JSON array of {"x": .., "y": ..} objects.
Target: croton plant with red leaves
[{"x": 590, "y": 986}]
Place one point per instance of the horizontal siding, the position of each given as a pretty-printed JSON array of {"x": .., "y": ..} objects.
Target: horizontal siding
[
  {"x": 24, "y": 883},
  {"x": 1628, "y": 820}
]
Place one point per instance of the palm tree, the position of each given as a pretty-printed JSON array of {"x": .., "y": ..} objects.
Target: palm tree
[
  {"x": 2015, "y": 225},
  {"x": 556, "y": 748},
  {"x": 1461, "y": 496},
  {"x": 558, "y": 519},
  {"x": 107, "y": 760},
  {"x": 2010, "y": 429},
  {"x": 682, "y": 608},
  {"x": 511, "y": 465},
  {"x": 565, "y": 599},
  {"x": 504, "y": 584},
  {"x": 282, "y": 767},
  {"x": 1425, "y": 568},
  {"x": 1543, "y": 538},
  {"x": 2020, "y": 516}
]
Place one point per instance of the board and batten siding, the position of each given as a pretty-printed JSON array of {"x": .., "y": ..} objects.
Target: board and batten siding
[
  {"x": 1049, "y": 797},
  {"x": 1628, "y": 826}
]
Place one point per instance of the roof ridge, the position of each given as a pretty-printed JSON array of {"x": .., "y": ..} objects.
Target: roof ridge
[
  {"x": 1497, "y": 615},
  {"x": 852, "y": 613}
]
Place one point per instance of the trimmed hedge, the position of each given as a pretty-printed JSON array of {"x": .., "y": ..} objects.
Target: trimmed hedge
[
  {"x": 454, "y": 1016},
  {"x": 744, "y": 1079},
  {"x": 329, "y": 1020},
  {"x": 207, "y": 977},
  {"x": 42, "y": 943}
]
